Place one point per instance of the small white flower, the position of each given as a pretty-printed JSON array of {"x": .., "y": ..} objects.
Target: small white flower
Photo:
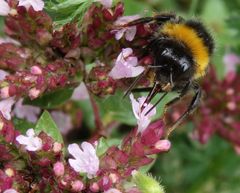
[
  {"x": 6, "y": 107},
  {"x": 10, "y": 191},
  {"x": 80, "y": 92},
  {"x": 3, "y": 73},
  {"x": 4, "y": 8},
  {"x": 126, "y": 65},
  {"x": 31, "y": 142},
  {"x": 86, "y": 160},
  {"x": 113, "y": 190},
  {"x": 139, "y": 112},
  {"x": 37, "y": 5}
]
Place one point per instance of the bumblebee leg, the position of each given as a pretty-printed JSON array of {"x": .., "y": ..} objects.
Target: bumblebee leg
[
  {"x": 193, "y": 105},
  {"x": 147, "y": 89},
  {"x": 160, "y": 19}
]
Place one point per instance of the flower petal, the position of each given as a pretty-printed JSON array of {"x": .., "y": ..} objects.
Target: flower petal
[
  {"x": 130, "y": 33},
  {"x": 75, "y": 150},
  {"x": 4, "y": 8}
]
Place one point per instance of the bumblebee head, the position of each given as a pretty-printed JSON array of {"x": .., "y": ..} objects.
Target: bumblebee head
[{"x": 173, "y": 65}]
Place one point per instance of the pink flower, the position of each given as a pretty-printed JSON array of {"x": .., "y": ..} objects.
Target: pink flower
[
  {"x": 33, "y": 93},
  {"x": 231, "y": 60},
  {"x": 4, "y": 8},
  {"x": 58, "y": 169},
  {"x": 112, "y": 190},
  {"x": 80, "y": 93},
  {"x": 86, "y": 160},
  {"x": 105, "y": 3},
  {"x": 139, "y": 110},
  {"x": 129, "y": 32},
  {"x": 126, "y": 65},
  {"x": 10, "y": 191},
  {"x": 31, "y": 142},
  {"x": 6, "y": 106},
  {"x": 37, "y": 5},
  {"x": 63, "y": 121},
  {"x": 77, "y": 185},
  {"x": 26, "y": 111},
  {"x": 3, "y": 74},
  {"x": 36, "y": 70}
]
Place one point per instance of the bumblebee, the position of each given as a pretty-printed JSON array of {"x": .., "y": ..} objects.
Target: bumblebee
[{"x": 181, "y": 50}]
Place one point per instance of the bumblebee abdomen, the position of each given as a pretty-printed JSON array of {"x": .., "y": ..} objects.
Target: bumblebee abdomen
[{"x": 189, "y": 36}]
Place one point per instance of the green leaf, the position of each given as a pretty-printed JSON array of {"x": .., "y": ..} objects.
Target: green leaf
[
  {"x": 47, "y": 125},
  {"x": 22, "y": 125},
  {"x": 104, "y": 144},
  {"x": 51, "y": 100}
]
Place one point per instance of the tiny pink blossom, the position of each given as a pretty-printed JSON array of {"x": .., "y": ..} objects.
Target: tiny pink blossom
[
  {"x": 31, "y": 142},
  {"x": 163, "y": 145},
  {"x": 126, "y": 65},
  {"x": 57, "y": 147},
  {"x": 113, "y": 190},
  {"x": 77, "y": 186},
  {"x": 86, "y": 160},
  {"x": 33, "y": 93},
  {"x": 139, "y": 110},
  {"x": 58, "y": 169},
  {"x": 105, "y": 3},
  {"x": 6, "y": 106},
  {"x": 4, "y": 92},
  {"x": 26, "y": 111},
  {"x": 4, "y": 8},
  {"x": 10, "y": 191},
  {"x": 63, "y": 121},
  {"x": 129, "y": 32},
  {"x": 80, "y": 92},
  {"x": 36, "y": 70},
  {"x": 231, "y": 60},
  {"x": 37, "y": 5},
  {"x": 94, "y": 187}
]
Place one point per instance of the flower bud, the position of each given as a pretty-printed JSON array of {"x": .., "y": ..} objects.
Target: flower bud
[
  {"x": 146, "y": 183},
  {"x": 58, "y": 168},
  {"x": 77, "y": 186}
]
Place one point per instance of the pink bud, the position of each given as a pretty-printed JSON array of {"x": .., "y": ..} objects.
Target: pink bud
[
  {"x": 57, "y": 147},
  {"x": 36, "y": 70},
  {"x": 77, "y": 186},
  {"x": 94, "y": 187},
  {"x": 231, "y": 105},
  {"x": 33, "y": 93},
  {"x": 113, "y": 177},
  {"x": 163, "y": 145},
  {"x": 58, "y": 168},
  {"x": 4, "y": 92}
]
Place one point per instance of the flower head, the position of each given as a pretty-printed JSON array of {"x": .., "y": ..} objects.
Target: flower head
[
  {"x": 86, "y": 160},
  {"x": 140, "y": 110},
  {"x": 4, "y": 8},
  {"x": 129, "y": 32},
  {"x": 26, "y": 111},
  {"x": 80, "y": 93},
  {"x": 6, "y": 106},
  {"x": 126, "y": 65},
  {"x": 31, "y": 142},
  {"x": 37, "y": 5}
]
